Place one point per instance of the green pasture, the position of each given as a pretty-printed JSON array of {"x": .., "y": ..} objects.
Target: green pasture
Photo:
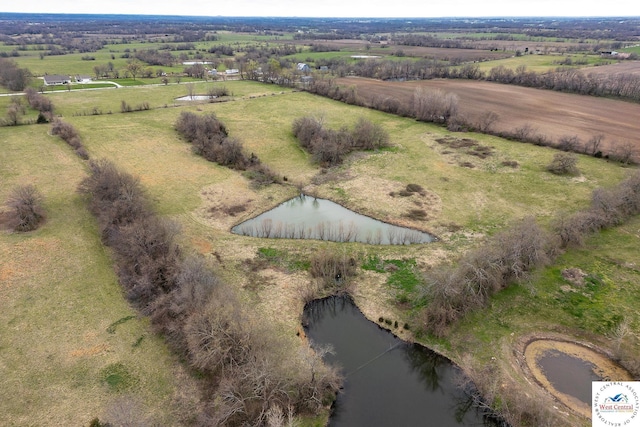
[
  {"x": 542, "y": 63},
  {"x": 549, "y": 303},
  {"x": 60, "y": 298},
  {"x": 632, "y": 49}
]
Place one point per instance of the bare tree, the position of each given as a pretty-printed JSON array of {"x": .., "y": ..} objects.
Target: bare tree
[
  {"x": 190, "y": 90},
  {"x": 434, "y": 105},
  {"x": 569, "y": 143},
  {"x": 594, "y": 143},
  {"x": 26, "y": 210},
  {"x": 134, "y": 67},
  {"x": 624, "y": 152},
  {"x": 525, "y": 132},
  {"x": 487, "y": 120}
]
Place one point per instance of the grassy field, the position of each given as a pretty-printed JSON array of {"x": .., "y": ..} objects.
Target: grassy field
[
  {"x": 71, "y": 347},
  {"x": 541, "y": 63},
  {"x": 72, "y": 272}
]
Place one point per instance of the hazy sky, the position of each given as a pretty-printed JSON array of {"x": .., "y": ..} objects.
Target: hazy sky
[{"x": 335, "y": 8}]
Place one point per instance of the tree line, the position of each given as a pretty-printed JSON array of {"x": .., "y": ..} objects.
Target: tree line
[
  {"x": 210, "y": 139},
  {"x": 248, "y": 378}
]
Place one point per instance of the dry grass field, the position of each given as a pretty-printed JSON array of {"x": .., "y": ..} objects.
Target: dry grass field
[
  {"x": 549, "y": 113},
  {"x": 71, "y": 349},
  {"x": 61, "y": 296}
]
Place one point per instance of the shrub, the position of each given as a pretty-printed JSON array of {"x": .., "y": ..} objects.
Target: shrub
[
  {"x": 26, "y": 212},
  {"x": 329, "y": 147},
  {"x": 332, "y": 268},
  {"x": 564, "y": 164},
  {"x": 368, "y": 136}
]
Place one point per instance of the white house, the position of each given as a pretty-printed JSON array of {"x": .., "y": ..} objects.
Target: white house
[{"x": 303, "y": 67}]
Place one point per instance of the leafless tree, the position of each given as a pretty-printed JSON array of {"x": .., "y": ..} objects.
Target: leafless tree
[
  {"x": 624, "y": 152},
  {"x": 593, "y": 144},
  {"x": 434, "y": 105},
  {"x": 524, "y": 133},
  {"x": 486, "y": 121},
  {"x": 569, "y": 143},
  {"x": 26, "y": 210},
  {"x": 134, "y": 67}
]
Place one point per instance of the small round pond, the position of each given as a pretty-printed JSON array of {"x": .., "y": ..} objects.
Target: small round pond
[
  {"x": 567, "y": 370},
  {"x": 387, "y": 382},
  {"x": 306, "y": 217}
]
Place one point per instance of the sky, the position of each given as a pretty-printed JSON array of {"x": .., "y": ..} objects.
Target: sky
[{"x": 335, "y": 8}]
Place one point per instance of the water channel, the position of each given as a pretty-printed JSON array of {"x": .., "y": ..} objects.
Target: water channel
[
  {"x": 306, "y": 217},
  {"x": 387, "y": 382}
]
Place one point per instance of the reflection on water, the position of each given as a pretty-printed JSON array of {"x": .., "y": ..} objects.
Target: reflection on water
[
  {"x": 306, "y": 217},
  {"x": 569, "y": 375},
  {"x": 387, "y": 382}
]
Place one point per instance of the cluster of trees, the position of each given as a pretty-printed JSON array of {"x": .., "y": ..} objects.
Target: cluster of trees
[
  {"x": 329, "y": 147},
  {"x": 41, "y": 103},
  {"x": 15, "y": 110},
  {"x": 13, "y": 77},
  {"x": 25, "y": 208},
  {"x": 155, "y": 57},
  {"x": 508, "y": 257},
  {"x": 248, "y": 376},
  {"x": 210, "y": 139}
]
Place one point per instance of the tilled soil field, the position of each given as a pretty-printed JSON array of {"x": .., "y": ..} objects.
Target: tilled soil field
[{"x": 549, "y": 113}]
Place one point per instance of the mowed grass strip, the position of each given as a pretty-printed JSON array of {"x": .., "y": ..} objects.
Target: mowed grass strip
[{"x": 59, "y": 296}]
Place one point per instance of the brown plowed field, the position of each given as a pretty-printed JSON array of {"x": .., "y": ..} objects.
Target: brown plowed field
[
  {"x": 626, "y": 67},
  {"x": 550, "y": 113}
]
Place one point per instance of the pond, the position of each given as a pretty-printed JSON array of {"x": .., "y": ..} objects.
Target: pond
[
  {"x": 567, "y": 369},
  {"x": 196, "y": 98},
  {"x": 306, "y": 217},
  {"x": 387, "y": 382},
  {"x": 568, "y": 374}
]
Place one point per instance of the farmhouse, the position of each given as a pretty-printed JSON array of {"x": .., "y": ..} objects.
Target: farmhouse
[
  {"x": 56, "y": 79},
  {"x": 303, "y": 67}
]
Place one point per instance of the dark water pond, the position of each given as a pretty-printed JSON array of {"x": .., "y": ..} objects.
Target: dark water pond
[
  {"x": 306, "y": 217},
  {"x": 569, "y": 375},
  {"x": 387, "y": 382}
]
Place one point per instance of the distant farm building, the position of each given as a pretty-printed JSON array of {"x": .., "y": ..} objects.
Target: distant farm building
[
  {"x": 83, "y": 79},
  {"x": 56, "y": 79},
  {"x": 303, "y": 67}
]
